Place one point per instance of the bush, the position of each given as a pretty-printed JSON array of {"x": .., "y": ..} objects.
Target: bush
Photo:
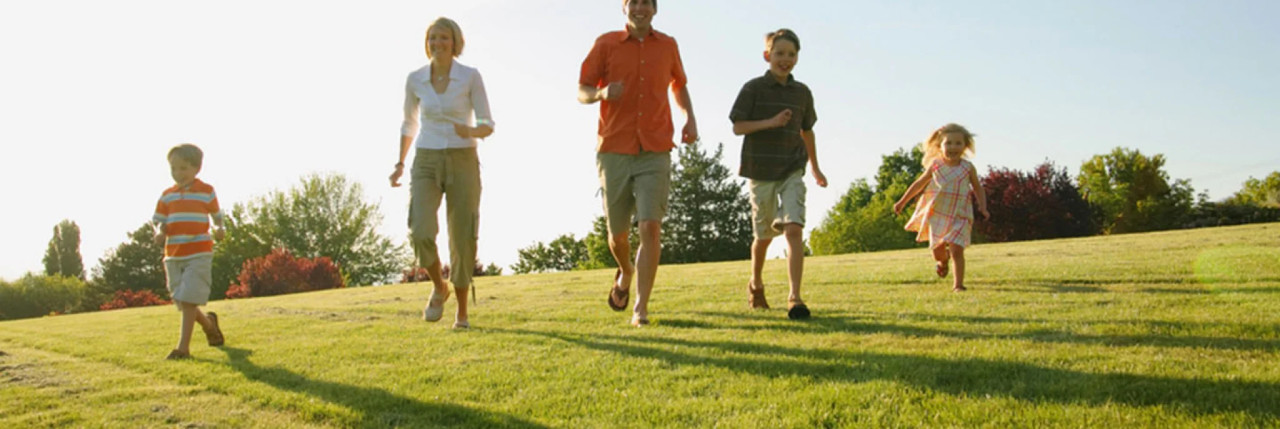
[
  {"x": 41, "y": 295},
  {"x": 1208, "y": 214},
  {"x": 863, "y": 221},
  {"x": 280, "y": 273},
  {"x": 419, "y": 274},
  {"x": 130, "y": 298},
  {"x": 1033, "y": 206}
]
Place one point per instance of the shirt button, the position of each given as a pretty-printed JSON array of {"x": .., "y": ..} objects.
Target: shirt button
[
  {"x": 640, "y": 114},
  {"x": 641, "y": 61}
]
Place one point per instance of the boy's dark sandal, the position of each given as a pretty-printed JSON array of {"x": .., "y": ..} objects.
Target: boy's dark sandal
[
  {"x": 798, "y": 312},
  {"x": 618, "y": 298},
  {"x": 214, "y": 334}
]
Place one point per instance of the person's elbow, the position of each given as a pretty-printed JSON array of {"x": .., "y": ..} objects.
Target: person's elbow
[
  {"x": 586, "y": 94},
  {"x": 739, "y": 129}
]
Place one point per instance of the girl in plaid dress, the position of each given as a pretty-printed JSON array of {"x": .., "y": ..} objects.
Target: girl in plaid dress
[{"x": 944, "y": 215}]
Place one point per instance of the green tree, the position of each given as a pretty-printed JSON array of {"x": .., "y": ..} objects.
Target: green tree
[
  {"x": 323, "y": 216},
  {"x": 902, "y": 166},
  {"x": 62, "y": 257},
  {"x": 37, "y": 295},
  {"x": 562, "y": 254},
  {"x": 136, "y": 265},
  {"x": 597, "y": 244},
  {"x": 863, "y": 220},
  {"x": 1264, "y": 192},
  {"x": 708, "y": 215},
  {"x": 1130, "y": 192}
]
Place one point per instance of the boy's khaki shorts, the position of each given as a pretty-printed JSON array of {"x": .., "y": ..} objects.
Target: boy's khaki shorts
[
  {"x": 188, "y": 279},
  {"x": 767, "y": 220},
  {"x": 634, "y": 184}
]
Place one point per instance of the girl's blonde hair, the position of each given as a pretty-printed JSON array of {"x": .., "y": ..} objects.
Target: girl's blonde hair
[
  {"x": 932, "y": 147},
  {"x": 454, "y": 30}
]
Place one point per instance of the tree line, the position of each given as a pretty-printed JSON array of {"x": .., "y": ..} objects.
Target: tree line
[
  {"x": 1122, "y": 191},
  {"x": 321, "y": 233}
]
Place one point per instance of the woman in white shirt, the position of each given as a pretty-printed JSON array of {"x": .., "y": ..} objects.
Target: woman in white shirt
[{"x": 445, "y": 106}]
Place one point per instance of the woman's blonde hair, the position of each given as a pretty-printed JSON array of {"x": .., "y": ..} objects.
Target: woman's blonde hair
[
  {"x": 456, "y": 32},
  {"x": 933, "y": 146}
]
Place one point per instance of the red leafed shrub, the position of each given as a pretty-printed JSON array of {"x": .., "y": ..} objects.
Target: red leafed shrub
[
  {"x": 130, "y": 298},
  {"x": 1041, "y": 204},
  {"x": 279, "y": 273},
  {"x": 414, "y": 275}
]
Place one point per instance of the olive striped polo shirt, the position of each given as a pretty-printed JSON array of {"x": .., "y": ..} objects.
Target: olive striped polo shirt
[{"x": 775, "y": 153}]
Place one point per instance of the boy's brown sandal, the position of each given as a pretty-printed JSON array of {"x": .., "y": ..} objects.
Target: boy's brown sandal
[
  {"x": 757, "y": 299},
  {"x": 214, "y": 334}
]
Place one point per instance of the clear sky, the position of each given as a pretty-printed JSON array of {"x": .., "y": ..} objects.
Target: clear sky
[{"x": 94, "y": 93}]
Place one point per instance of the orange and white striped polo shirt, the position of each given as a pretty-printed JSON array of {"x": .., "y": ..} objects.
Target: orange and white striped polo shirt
[{"x": 184, "y": 212}]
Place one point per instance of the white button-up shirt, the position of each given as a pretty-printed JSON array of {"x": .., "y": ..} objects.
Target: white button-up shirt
[{"x": 438, "y": 112}]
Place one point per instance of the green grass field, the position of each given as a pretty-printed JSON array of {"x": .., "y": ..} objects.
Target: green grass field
[{"x": 1169, "y": 329}]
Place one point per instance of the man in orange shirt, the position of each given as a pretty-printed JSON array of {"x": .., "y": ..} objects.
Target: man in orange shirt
[{"x": 629, "y": 72}]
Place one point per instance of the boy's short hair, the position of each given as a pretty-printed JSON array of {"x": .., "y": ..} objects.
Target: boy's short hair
[
  {"x": 784, "y": 34},
  {"x": 454, "y": 30},
  {"x": 189, "y": 153}
]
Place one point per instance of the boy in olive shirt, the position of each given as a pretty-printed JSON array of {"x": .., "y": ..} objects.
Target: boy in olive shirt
[{"x": 775, "y": 115}]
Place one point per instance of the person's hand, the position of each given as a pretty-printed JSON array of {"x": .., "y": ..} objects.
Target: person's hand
[
  {"x": 219, "y": 233},
  {"x": 690, "y": 133},
  {"x": 159, "y": 238},
  {"x": 395, "y": 177},
  {"x": 985, "y": 215},
  {"x": 611, "y": 92},
  {"x": 820, "y": 178},
  {"x": 462, "y": 130},
  {"x": 898, "y": 206},
  {"x": 781, "y": 119}
]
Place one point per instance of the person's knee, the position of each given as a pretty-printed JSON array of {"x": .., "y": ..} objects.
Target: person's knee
[
  {"x": 650, "y": 230},
  {"x": 793, "y": 231},
  {"x": 422, "y": 236},
  {"x": 619, "y": 239}
]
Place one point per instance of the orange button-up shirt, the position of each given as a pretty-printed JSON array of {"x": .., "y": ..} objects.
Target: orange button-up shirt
[{"x": 641, "y": 119}]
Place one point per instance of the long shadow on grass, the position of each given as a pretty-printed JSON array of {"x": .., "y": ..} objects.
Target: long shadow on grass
[
  {"x": 377, "y": 407},
  {"x": 970, "y": 377},
  {"x": 852, "y": 323}
]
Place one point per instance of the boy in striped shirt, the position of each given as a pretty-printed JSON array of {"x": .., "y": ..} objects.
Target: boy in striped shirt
[{"x": 182, "y": 225}]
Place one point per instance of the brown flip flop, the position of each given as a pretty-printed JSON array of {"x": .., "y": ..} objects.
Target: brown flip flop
[
  {"x": 616, "y": 295},
  {"x": 215, "y": 334}
]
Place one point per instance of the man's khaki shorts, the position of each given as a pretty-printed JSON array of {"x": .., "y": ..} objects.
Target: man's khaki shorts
[
  {"x": 634, "y": 184},
  {"x": 776, "y": 203}
]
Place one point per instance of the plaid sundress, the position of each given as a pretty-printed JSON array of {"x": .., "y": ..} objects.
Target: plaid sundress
[{"x": 944, "y": 213}]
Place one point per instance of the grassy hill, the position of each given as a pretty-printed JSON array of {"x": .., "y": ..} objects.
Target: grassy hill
[{"x": 1166, "y": 329}]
